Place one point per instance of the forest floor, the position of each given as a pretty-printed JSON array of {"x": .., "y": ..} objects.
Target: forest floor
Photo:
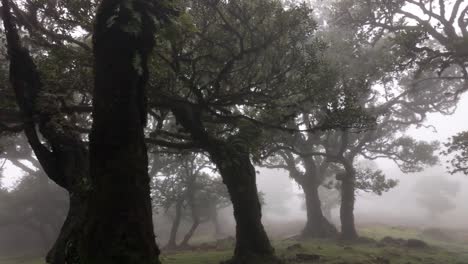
[{"x": 382, "y": 245}]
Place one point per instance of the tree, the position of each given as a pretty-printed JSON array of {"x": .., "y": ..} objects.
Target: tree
[
  {"x": 457, "y": 148},
  {"x": 35, "y": 203},
  {"x": 310, "y": 178},
  {"x": 118, "y": 225},
  {"x": 66, "y": 161},
  {"x": 375, "y": 85},
  {"x": 432, "y": 36},
  {"x": 64, "y": 156},
  {"x": 436, "y": 194},
  {"x": 216, "y": 89},
  {"x": 185, "y": 186}
]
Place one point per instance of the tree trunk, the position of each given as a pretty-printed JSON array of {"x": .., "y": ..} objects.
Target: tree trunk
[
  {"x": 172, "y": 243},
  {"x": 317, "y": 225},
  {"x": 64, "y": 158},
  {"x": 213, "y": 211},
  {"x": 189, "y": 235},
  {"x": 118, "y": 224},
  {"x": 238, "y": 173},
  {"x": 65, "y": 247},
  {"x": 348, "y": 229},
  {"x": 191, "y": 200}
]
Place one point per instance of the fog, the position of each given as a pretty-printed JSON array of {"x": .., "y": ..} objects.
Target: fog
[
  {"x": 400, "y": 205},
  {"x": 284, "y": 214},
  {"x": 252, "y": 131}
]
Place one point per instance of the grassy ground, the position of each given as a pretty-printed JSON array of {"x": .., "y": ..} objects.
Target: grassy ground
[
  {"x": 440, "y": 250},
  {"x": 332, "y": 253}
]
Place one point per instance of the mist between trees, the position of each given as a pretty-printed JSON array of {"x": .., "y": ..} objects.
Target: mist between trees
[{"x": 130, "y": 116}]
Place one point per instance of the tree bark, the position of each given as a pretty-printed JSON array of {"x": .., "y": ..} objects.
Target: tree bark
[
  {"x": 348, "y": 229},
  {"x": 65, "y": 158},
  {"x": 238, "y": 173},
  {"x": 190, "y": 233},
  {"x": 172, "y": 243},
  {"x": 118, "y": 225},
  {"x": 317, "y": 225},
  {"x": 65, "y": 248},
  {"x": 195, "y": 216},
  {"x": 193, "y": 204},
  {"x": 213, "y": 216}
]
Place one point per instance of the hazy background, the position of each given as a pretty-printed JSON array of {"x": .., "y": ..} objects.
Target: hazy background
[
  {"x": 399, "y": 206},
  {"x": 283, "y": 213}
]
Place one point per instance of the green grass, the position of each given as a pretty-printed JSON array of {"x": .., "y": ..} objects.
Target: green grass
[
  {"x": 331, "y": 252},
  {"x": 196, "y": 257},
  {"x": 379, "y": 232}
]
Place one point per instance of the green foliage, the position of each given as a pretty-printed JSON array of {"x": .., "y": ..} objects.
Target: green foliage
[
  {"x": 369, "y": 180},
  {"x": 242, "y": 61},
  {"x": 185, "y": 178},
  {"x": 408, "y": 153},
  {"x": 457, "y": 149}
]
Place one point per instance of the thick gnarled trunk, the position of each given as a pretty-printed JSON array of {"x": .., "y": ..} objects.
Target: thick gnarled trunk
[
  {"x": 317, "y": 226},
  {"x": 348, "y": 229},
  {"x": 65, "y": 247},
  {"x": 118, "y": 224},
  {"x": 238, "y": 173},
  {"x": 65, "y": 160}
]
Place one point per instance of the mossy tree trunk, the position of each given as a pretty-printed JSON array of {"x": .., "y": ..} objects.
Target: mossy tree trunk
[
  {"x": 317, "y": 226},
  {"x": 348, "y": 178},
  {"x": 239, "y": 176},
  {"x": 238, "y": 173},
  {"x": 64, "y": 158},
  {"x": 118, "y": 226}
]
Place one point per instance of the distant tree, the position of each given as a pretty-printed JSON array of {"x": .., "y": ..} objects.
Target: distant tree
[
  {"x": 185, "y": 187},
  {"x": 372, "y": 88},
  {"x": 436, "y": 194},
  {"x": 432, "y": 36},
  {"x": 310, "y": 178},
  {"x": 34, "y": 203},
  {"x": 457, "y": 150}
]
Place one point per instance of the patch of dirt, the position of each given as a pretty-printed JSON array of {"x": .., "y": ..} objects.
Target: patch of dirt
[
  {"x": 295, "y": 247},
  {"x": 416, "y": 244},
  {"x": 220, "y": 244},
  {"x": 308, "y": 257},
  {"x": 398, "y": 242},
  {"x": 438, "y": 234}
]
